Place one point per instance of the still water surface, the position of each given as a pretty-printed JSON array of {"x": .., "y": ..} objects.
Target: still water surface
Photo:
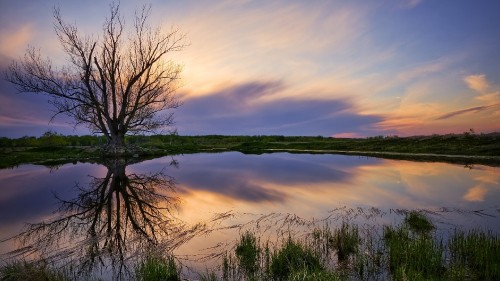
[{"x": 188, "y": 204}]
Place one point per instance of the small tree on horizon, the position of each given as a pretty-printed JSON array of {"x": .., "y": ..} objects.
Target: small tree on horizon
[{"x": 117, "y": 84}]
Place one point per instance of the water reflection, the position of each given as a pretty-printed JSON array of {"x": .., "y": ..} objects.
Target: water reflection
[
  {"x": 109, "y": 222},
  {"x": 126, "y": 207}
]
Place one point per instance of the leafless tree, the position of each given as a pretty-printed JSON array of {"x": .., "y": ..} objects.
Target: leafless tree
[{"x": 115, "y": 84}]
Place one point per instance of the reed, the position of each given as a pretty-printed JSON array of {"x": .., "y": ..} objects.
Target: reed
[
  {"x": 248, "y": 254},
  {"x": 293, "y": 256},
  {"x": 475, "y": 255},
  {"x": 157, "y": 267},
  {"x": 411, "y": 256}
]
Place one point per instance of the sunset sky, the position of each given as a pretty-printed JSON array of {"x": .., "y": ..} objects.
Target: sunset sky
[{"x": 331, "y": 68}]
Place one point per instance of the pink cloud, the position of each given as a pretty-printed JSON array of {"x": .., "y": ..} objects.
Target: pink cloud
[{"x": 348, "y": 135}]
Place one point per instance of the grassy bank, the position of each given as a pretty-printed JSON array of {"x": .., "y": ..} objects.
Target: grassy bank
[
  {"x": 464, "y": 148},
  {"x": 411, "y": 250}
]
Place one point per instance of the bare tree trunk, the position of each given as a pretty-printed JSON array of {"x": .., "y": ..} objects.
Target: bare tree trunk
[{"x": 116, "y": 144}]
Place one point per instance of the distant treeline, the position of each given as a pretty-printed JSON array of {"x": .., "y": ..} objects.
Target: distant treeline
[
  {"x": 52, "y": 139},
  {"x": 458, "y": 144}
]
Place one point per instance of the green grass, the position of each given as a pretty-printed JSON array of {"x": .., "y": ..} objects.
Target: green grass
[
  {"x": 316, "y": 275},
  {"x": 208, "y": 276},
  {"x": 476, "y": 254},
  {"x": 413, "y": 256},
  {"x": 293, "y": 256},
  {"x": 418, "y": 222},
  {"x": 26, "y": 271},
  {"x": 346, "y": 241},
  {"x": 248, "y": 254},
  {"x": 51, "y": 157},
  {"x": 156, "y": 267}
]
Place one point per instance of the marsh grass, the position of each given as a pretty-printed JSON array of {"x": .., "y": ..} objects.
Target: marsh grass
[
  {"x": 413, "y": 256},
  {"x": 410, "y": 250},
  {"x": 293, "y": 256},
  {"x": 208, "y": 276},
  {"x": 248, "y": 254},
  {"x": 475, "y": 255},
  {"x": 157, "y": 267},
  {"x": 346, "y": 241},
  {"x": 29, "y": 271},
  {"x": 316, "y": 275},
  {"x": 418, "y": 222}
]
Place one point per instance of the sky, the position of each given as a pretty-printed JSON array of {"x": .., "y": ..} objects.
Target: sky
[{"x": 331, "y": 68}]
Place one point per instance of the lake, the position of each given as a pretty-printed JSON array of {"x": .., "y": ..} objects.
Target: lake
[{"x": 197, "y": 205}]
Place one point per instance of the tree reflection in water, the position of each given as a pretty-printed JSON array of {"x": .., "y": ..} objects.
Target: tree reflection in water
[{"x": 111, "y": 222}]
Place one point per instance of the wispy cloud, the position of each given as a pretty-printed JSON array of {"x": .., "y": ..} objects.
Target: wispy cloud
[
  {"x": 261, "y": 43},
  {"x": 413, "y": 3},
  {"x": 426, "y": 68},
  {"x": 467, "y": 110},
  {"x": 13, "y": 42},
  {"x": 477, "y": 82},
  {"x": 407, "y": 4}
]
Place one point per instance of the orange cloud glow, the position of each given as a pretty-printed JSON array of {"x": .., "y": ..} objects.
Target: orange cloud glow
[
  {"x": 477, "y": 82},
  {"x": 14, "y": 42},
  {"x": 476, "y": 193}
]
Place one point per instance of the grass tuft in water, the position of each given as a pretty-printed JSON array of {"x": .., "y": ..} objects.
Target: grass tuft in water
[
  {"x": 157, "y": 267},
  {"x": 475, "y": 255},
  {"x": 248, "y": 254},
  {"x": 418, "y": 222},
  {"x": 293, "y": 256},
  {"x": 208, "y": 276},
  {"x": 317, "y": 275},
  {"x": 346, "y": 241},
  {"x": 413, "y": 256},
  {"x": 22, "y": 270}
]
